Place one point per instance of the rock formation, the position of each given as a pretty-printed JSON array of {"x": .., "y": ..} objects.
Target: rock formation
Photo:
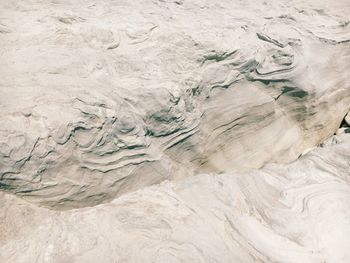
[
  {"x": 283, "y": 213},
  {"x": 102, "y": 101},
  {"x": 104, "y": 98}
]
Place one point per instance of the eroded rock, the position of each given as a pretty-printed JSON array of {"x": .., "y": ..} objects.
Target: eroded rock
[{"x": 96, "y": 104}]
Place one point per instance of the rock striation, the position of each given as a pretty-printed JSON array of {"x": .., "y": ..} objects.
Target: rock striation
[
  {"x": 282, "y": 213},
  {"x": 174, "y": 131},
  {"x": 102, "y": 98}
]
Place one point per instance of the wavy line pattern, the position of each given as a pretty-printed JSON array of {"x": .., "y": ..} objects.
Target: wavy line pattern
[
  {"x": 283, "y": 213},
  {"x": 108, "y": 97}
]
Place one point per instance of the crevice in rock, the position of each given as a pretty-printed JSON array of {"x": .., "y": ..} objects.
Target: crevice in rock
[{"x": 345, "y": 125}]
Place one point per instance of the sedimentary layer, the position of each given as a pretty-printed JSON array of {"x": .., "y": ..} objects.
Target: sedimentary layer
[
  {"x": 103, "y": 98},
  {"x": 282, "y": 213}
]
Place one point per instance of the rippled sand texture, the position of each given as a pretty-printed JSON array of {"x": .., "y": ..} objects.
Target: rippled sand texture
[
  {"x": 99, "y": 98},
  {"x": 174, "y": 131}
]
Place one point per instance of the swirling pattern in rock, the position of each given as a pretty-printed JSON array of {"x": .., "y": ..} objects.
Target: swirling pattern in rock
[
  {"x": 282, "y": 213},
  {"x": 99, "y": 98}
]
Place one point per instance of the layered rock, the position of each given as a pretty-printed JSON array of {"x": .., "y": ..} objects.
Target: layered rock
[
  {"x": 282, "y": 213},
  {"x": 102, "y": 98}
]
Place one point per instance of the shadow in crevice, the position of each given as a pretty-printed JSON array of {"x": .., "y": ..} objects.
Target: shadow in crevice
[{"x": 344, "y": 125}]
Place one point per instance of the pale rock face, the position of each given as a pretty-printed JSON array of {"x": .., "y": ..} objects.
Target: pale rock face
[
  {"x": 164, "y": 129},
  {"x": 283, "y": 213},
  {"x": 101, "y": 98}
]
